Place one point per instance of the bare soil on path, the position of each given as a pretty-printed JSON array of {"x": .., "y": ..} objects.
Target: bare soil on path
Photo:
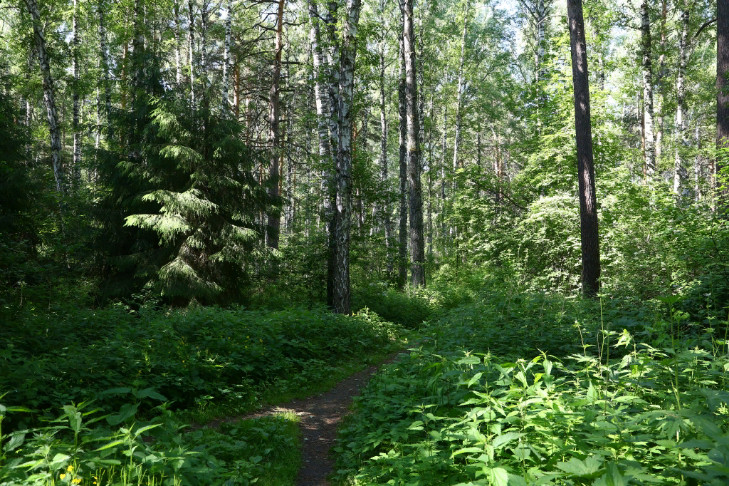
[{"x": 320, "y": 415}]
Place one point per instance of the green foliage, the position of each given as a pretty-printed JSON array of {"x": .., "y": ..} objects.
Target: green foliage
[
  {"x": 83, "y": 447},
  {"x": 203, "y": 210},
  {"x": 520, "y": 389},
  {"x": 195, "y": 358},
  {"x": 409, "y": 309},
  {"x": 124, "y": 373}
]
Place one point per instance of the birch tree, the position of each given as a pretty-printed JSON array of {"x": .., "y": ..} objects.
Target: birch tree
[
  {"x": 649, "y": 152},
  {"x": 49, "y": 92}
]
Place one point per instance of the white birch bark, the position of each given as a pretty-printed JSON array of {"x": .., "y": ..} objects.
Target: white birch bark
[
  {"x": 76, "y": 171},
  {"x": 226, "y": 57},
  {"x": 178, "y": 42},
  {"x": 647, "y": 70},
  {"x": 343, "y": 176},
  {"x": 681, "y": 128},
  {"x": 191, "y": 48},
  {"x": 49, "y": 94}
]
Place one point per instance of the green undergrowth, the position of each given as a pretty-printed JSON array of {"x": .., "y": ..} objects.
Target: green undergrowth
[
  {"x": 518, "y": 389},
  {"x": 107, "y": 392},
  {"x": 81, "y": 447}
]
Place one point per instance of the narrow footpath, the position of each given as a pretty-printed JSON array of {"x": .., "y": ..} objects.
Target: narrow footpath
[{"x": 320, "y": 416}]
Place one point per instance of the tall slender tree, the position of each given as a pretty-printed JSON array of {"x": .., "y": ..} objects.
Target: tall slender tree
[
  {"x": 415, "y": 199},
  {"x": 647, "y": 66},
  {"x": 585, "y": 166},
  {"x": 49, "y": 92},
  {"x": 274, "y": 216},
  {"x": 722, "y": 95},
  {"x": 343, "y": 175}
]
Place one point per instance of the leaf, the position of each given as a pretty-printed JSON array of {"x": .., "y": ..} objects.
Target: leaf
[
  {"x": 474, "y": 379},
  {"x": 150, "y": 393},
  {"x": 126, "y": 411},
  {"x": 613, "y": 477},
  {"x": 111, "y": 444},
  {"x": 498, "y": 476},
  {"x": 504, "y": 439},
  {"x": 581, "y": 469},
  {"x": 16, "y": 440},
  {"x": 74, "y": 417},
  {"x": 138, "y": 432}
]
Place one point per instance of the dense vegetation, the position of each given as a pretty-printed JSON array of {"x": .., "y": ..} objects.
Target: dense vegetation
[
  {"x": 535, "y": 195},
  {"x": 518, "y": 388}
]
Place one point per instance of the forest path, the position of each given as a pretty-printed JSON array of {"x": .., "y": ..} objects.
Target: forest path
[{"x": 320, "y": 416}]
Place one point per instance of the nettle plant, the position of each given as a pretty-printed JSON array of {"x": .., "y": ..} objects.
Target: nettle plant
[{"x": 617, "y": 411}]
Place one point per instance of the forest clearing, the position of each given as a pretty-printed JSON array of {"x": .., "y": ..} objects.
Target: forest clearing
[{"x": 364, "y": 242}]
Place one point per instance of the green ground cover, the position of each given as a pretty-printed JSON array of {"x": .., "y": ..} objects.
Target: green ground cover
[
  {"x": 518, "y": 389},
  {"x": 108, "y": 396}
]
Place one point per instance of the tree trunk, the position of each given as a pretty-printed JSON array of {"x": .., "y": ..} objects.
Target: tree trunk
[
  {"x": 204, "y": 13},
  {"x": 49, "y": 94},
  {"x": 274, "y": 216},
  {"x": 178, "y": 56},
  {"x": 650, "y": 147},
  {"x": 459, "y": 97},
  {"x": 722, "y": 97},
  {"x": 191, "y": 49},
  {"x": 226, "y": 57},
  {"x": 417, "y": 243},
  {"x": 403, "y": 234},
  {"x": 387, "y": 221},
  {"x": 681, "y": 128},
  {"x": 343, "y": 177},
  {"x": 585, "y": 166},
  {"x": 104, "y": 63},
  {"x": 76, "y": 171},
  {"x": 660, "y": 77},
  {"x": 444, "y": 157},
  {"x": 697, "y": 165}
]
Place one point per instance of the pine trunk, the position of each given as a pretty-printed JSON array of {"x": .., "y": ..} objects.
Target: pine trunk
[
  {"x": 585, "y": 165},
  {"x": 417, "y": 243},
  {"x": 402, "y": 118},
  {"x": 722, "y": 97},
  {"x": 459, "y": 96},
  {"x": 274, "y": 216},
  {"x": 387, "y": 221}
]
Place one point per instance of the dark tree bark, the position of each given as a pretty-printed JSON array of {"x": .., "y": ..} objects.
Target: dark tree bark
[
  {"x": 585, "y": 165},
  {"x": 387, "y": 221},
  {"x": 417, "y": 241},
  {"x": 722, "y": 96},
  {"x": 274, "y": 216},
  {"x": 403, "y": 229}
]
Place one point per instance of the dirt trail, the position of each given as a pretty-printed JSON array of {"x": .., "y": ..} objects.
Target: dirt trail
[{"x": 320, "y": 416}]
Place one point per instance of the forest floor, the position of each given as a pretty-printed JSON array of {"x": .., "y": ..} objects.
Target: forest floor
[{"x": 319, "y": 416}]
